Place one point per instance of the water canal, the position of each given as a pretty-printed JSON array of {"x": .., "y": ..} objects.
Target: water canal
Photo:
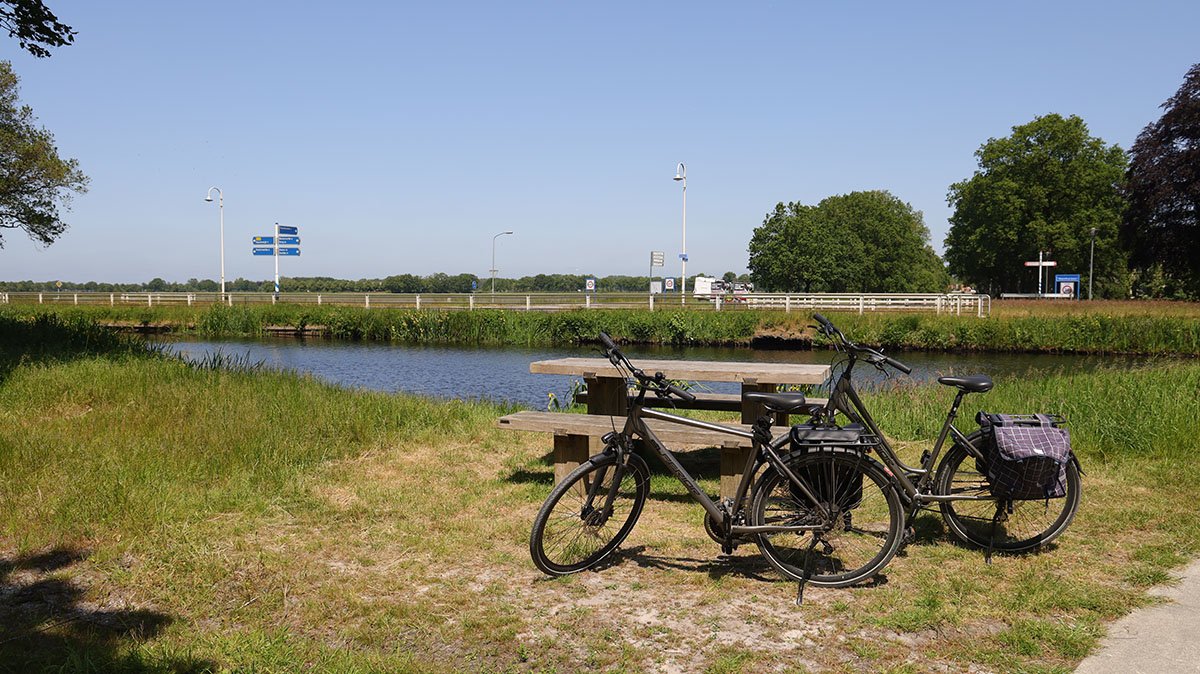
[{"x": 501, "y": 373}]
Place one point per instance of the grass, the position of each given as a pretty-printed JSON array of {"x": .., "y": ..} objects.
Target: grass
[
  {"x": 165, "y": 517},
  {"x": 1159, "y": 328}
]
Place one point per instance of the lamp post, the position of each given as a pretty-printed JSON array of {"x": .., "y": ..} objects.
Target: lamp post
[
  {"x": 681, "y": 175},
  {"x": 1091, "y": 260},
  {"x": 221, "y": 209},
  {"x": 493, "y": 269}
]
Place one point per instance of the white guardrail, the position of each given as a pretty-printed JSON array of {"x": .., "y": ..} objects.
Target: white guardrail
[{"x": 951, "y": 303}]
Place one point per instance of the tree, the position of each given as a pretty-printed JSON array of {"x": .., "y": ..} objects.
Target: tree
[
  {"x": 1041, "y": 189},
  {"x": 857, "y": 242},
  {"x": 1163, "y": 186},
  {"x": 34, "y": 25},
  {"x": 34, "y": 181}
]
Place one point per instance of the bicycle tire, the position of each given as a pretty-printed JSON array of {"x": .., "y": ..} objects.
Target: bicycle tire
[
  {"x": 1031, "y": 524},
  {"x": 567, "y": 539},
  {"x": 861, "y": 539}
]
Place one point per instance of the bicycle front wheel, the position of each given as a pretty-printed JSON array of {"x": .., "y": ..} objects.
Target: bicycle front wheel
[
  {"x": 858, "y": 537},
  {"x": 588, "y": 515},
  {"x": 1020, "y": 525}
]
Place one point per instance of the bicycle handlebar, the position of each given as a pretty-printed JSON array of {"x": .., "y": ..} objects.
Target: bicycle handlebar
[
  {"x": 872, "y": 356},
  {"x": 657, "y": 383}
]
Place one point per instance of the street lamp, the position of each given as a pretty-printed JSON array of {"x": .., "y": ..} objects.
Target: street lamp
[
  {"x": 493, "y": 269},
  {"x": 681, "y": 175},
  {"x": 1091, "y": 260},
  {"x": 221, "y": 209}
]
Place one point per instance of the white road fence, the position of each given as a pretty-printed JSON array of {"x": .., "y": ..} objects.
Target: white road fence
[{"x": 951, "y": 303}]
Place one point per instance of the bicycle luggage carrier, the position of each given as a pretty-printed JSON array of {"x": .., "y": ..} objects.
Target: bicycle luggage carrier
[{"x": 810, "y": 436}]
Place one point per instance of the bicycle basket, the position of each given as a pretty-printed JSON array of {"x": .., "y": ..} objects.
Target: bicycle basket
[{"x": 1026, "y": 455}]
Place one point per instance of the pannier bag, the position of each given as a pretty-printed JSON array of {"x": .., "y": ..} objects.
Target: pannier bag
[
  {"x": 842, "y": 485},
  {"x": 1026, "y": 455}
]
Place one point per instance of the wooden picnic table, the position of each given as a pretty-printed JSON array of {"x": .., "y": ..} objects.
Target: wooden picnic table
[{"x": 608, "y": 395}]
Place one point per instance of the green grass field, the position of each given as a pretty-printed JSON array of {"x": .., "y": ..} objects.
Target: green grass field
[{"x": 165, "y": 517}]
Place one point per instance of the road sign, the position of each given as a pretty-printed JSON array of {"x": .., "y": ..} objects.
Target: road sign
[
  {"x": 656, "y": 287},
  {"x": 1047, "y": 263},
  {"x": 683, "y": 257},
  {"x": 289, "y": 251},
  {"x": 1068, "y": 284},
  {"x": 590, "y": 285},
  {"x": 263, "y": 251},
  {"x": 656, "y": 258},
  {"x": 289, "y": 241},
  {"x": 670, "y": 282},
  {"x": 264, "y": 241},
  {"x": 285, "y": 229}
]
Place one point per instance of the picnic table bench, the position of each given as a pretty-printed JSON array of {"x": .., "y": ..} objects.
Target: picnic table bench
[{"x": 577, "y": 436}]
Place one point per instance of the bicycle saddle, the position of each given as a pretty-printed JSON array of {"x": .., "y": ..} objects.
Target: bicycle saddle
[
  {"x": 776, "y": 402},
  {"x": 972, "y": 383}
]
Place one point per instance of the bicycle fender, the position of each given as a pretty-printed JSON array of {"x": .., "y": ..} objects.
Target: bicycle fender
[{"x": 1075, "y": 460}]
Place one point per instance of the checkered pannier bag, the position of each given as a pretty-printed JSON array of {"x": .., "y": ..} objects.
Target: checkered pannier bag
[{"x": 1026, "y": 455}]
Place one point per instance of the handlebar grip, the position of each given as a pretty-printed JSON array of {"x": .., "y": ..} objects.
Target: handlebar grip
[
  {"x": 897, "y": 364},
  {"x": 607, "y": 342},
  {"x": 675, "y": 390}
]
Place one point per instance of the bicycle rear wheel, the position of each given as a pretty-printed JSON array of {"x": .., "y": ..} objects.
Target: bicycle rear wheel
[
  {"x": 579, "y": 526},
  {"x": 859, "y": 539},
  {"x": 1030, "y": 524}
]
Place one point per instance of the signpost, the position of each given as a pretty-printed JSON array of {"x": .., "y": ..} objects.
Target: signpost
[
  {"x": 669, "y": 282},
  {"x": 1040, "y": 263},
  {"x": 266, "y": 245},
  {"x": 1068, "y": 284},
  {"x": 590, "y": 285},
  {"x": 656, "y": 260}
]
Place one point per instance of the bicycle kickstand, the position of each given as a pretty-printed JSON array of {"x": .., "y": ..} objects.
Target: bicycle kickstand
[{"x": 807, "y": 572}]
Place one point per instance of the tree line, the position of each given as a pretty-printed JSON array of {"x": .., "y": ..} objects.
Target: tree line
[{"x": 400, "y": 283}]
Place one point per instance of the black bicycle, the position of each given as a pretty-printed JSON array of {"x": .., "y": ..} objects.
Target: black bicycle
[{"x": 819, "y": 507}]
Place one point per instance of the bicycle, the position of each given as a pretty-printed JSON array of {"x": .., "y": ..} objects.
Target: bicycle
[{"x": 823, "y": 512}]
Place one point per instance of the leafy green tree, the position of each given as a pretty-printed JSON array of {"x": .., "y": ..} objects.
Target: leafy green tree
[
  {"x": 34, "y": 181},
  {"x": 1041, "y": 189},
  {"x": 857, "y": 242},
  {"x": 1162, "y": 225},
  {"x": 34, "y": 25}
]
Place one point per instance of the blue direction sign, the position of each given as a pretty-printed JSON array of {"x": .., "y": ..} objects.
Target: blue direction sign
[
  {"x": 263, "y": 251},
  {"x": 289, "y": 241},
  {"x": 289, "y": 251},
  {"x": 284, "y": 229},
  {"x": 264, "y": 240}
]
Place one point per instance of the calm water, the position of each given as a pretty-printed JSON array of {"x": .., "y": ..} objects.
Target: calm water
[{"x": 502, "y": 373}]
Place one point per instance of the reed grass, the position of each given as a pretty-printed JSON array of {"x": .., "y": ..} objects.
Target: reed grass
[
  {"x": 1151, "y": 328},
  {"x": 161, "y": 516}
]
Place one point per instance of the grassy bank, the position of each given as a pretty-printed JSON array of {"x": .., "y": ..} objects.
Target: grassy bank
[
  {"x": 165, "y": 517},
  {"x": 1103, "y": 327}
]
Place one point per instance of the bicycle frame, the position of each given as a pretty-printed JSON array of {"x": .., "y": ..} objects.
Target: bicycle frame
[
  {"x": 904, "y": 474},
  {"x": 765, "y": 451}
]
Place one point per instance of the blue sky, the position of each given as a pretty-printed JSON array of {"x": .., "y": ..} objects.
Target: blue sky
[{"x": 399, "y": 137}]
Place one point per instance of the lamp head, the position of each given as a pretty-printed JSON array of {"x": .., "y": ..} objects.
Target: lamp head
[
  {"x": 678, "y": 177},
  {"x": 208, "y": 198}
]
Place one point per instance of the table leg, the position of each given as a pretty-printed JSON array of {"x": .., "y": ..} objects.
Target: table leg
[{"x": 607, "y": 396}]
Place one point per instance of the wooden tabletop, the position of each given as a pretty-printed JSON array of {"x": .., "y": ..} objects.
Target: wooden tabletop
[{"x": 691, "y": 370}]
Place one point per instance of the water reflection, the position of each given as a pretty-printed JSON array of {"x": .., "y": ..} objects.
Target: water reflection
[{"x": 502, "y": 373}]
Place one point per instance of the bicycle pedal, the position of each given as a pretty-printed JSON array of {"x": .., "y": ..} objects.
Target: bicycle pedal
[{"x": 909, "y": 535}]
